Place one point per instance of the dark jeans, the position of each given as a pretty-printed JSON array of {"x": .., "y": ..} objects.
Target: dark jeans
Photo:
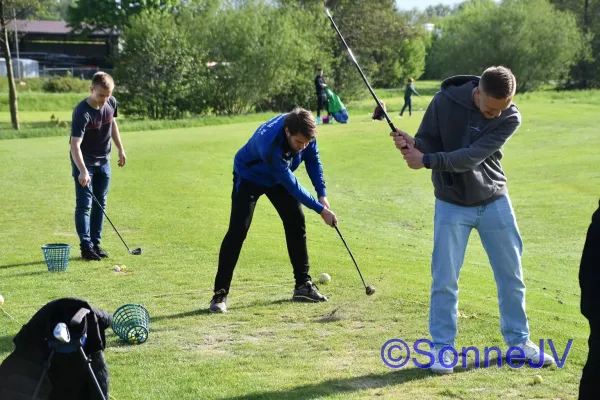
[
  {"x": 589, "y": 279},
  {"x": 89, "y": 218},
  {"x": 322, "y": 104},
  {"x": 244, "y": 196},
  {"x": 407, "y": 103}
]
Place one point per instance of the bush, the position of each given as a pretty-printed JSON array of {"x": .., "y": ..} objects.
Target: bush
[
  {"x": 24, "y": 85},
  {"x": 65, "y": 85},
  {"x": 519, "y": 34},
  {"x": 157, "y": 70}
]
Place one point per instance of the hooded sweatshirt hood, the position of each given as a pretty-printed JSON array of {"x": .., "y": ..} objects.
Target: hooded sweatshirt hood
[{"x": 464, "y": 147}]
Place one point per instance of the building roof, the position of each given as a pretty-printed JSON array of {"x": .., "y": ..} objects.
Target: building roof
[{"x": 48, "y": 27}]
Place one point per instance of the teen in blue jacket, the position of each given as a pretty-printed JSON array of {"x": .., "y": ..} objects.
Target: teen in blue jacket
[{"x": 265, "y": 165}]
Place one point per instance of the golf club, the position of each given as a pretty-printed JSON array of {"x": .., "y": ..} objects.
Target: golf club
[
  {"x": 369, "y": 289},
  {"x": 389, "y": 121},
  {"x": 135, "y": 252}
]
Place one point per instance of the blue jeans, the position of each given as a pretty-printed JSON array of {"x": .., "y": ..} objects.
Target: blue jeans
[
  {"x": 89, "y": 224},
  {"x": 502, "y": 242}
]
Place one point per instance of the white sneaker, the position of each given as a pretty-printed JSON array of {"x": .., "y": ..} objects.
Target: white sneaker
[
  {"x": 533, "y": 353},
  {"x": 437, "y": 366}
]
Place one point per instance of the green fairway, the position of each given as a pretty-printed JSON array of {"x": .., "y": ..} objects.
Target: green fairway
[{"x": 173, "y": 200}]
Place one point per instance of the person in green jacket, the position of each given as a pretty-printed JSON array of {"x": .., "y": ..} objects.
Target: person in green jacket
[
  {"x": 335, "y": 107},
  {"x": 408, "y": 92}
]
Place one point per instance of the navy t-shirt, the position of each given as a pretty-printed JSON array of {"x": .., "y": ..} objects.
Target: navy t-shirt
[{"x": 95, "y": 127}]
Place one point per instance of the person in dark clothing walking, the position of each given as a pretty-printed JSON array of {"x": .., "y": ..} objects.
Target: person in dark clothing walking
[
  {"x": 408, "y": 92},
  {"x": 321, "y": 95},
  {"x": 265, "y": 165},
  {"x": 589, "y": 278}
]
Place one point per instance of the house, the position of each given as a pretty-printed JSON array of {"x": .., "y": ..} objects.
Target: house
[{"x": 52, "y": 44}]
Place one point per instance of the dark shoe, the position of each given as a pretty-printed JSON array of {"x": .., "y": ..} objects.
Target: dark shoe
[
  {"x": 308, "y": 292},
  {"x": 100, "y": 251},
  {"x": 218, "y": 302},
  {"x": 89, "y": 254}
]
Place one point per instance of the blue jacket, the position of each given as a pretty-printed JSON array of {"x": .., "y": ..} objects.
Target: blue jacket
[{"x": 268, "y": 160}]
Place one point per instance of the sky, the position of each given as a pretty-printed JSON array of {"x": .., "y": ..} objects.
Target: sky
[{"x": 422, "y": 4}]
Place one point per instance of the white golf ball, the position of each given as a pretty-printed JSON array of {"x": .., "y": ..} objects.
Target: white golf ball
[
  {"x": 1, "y": 300},
  {"x": 117, "y": 268},
  {"x": 324, "y": 278}
]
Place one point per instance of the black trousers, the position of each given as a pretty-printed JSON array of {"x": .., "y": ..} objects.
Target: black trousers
[
  {"x": 589, "y": 279},
  {"x": 244, "y": 197},
  {"x": 322, "y": 104},
  {"x": 407, "y": 103}
]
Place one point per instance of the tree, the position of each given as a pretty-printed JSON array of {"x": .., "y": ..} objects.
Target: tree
[
  {"x": 56, "y": 11},
  {"x": 87, "y": 16},
  {"x": 386, "y": 43},
  {"x": 586, "y": 72},
  {"x": 519, "y": 34},
  {"x": 265, "y": 55},
  {"x": 10, "y": 10},
  {"x": 438, "y": 11},
  {"x": 156, "y": 69}
]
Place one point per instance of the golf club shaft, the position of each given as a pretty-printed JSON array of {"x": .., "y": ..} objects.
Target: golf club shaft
[
  {"x": 104, "y": 212},
  {"x": 349, "y": 252},
  {"x": 88, "y": 361},
  {"x": 360, "y": 71}
]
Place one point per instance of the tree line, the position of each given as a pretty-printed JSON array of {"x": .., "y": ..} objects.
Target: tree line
[{"x": 190, "y": 57}]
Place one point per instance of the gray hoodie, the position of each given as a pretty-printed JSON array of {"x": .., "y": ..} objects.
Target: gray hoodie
[{"x": 463, "y": 146}]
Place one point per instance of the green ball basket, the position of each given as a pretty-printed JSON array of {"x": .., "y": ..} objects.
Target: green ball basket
[
  {"x": 131, "y": 323},
  {"x": 56, "y": 256}
]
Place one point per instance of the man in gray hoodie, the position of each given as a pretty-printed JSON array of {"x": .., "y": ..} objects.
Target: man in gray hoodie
[{"x": 460, "y": 140}]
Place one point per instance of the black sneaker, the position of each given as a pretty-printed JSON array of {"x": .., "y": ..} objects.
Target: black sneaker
[
  {"x": 100, "y": 251},
  {"x": 308, "y": 292},
  {"x": 88, "y": 253},
  {"x": 218, "y": 302}
]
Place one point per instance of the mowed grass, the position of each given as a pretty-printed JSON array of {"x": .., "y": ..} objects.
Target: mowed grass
[{"x": 173, "y": 200}]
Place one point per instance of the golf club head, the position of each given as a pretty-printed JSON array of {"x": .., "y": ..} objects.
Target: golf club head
[
  {"x": 136, "y": 252},
  {"x": 370, "y": 290},
  {"x": 61, "y": 333}
]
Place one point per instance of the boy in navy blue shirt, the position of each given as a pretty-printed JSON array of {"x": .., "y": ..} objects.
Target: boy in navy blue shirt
[
  {"x": 92, "y": 128},
  {"x": 265, "y": 165}
]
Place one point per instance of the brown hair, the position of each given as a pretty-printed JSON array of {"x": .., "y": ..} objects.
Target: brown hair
[
  {"x": 498, "y": 82},
  {"x": 104, "y": 80},
  {"x": 301, "y": 121}
]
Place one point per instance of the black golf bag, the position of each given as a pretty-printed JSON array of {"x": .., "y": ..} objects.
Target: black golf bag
[{"x": 50, "y": 369}]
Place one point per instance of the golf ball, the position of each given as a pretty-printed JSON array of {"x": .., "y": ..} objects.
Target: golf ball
[
  {"x": 1, "y": 300},
  {"x": 117, "y": 268},
  {"x": 324, "y": 278},
  {"x": 537, "y": 379}
]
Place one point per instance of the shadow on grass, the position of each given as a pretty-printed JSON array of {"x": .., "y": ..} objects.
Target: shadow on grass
[
  {"x": 6, "y": 344},
  {"x": 26, "y": 264},
  {"x": 180, "y": 315},
  {"x": 204, "y": 311},
  {"x": 32, "y": 273},
  {"x": 348, "y": 385}
]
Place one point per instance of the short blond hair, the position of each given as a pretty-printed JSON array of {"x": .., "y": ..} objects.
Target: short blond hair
[{"x": 104, "y": 80}]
